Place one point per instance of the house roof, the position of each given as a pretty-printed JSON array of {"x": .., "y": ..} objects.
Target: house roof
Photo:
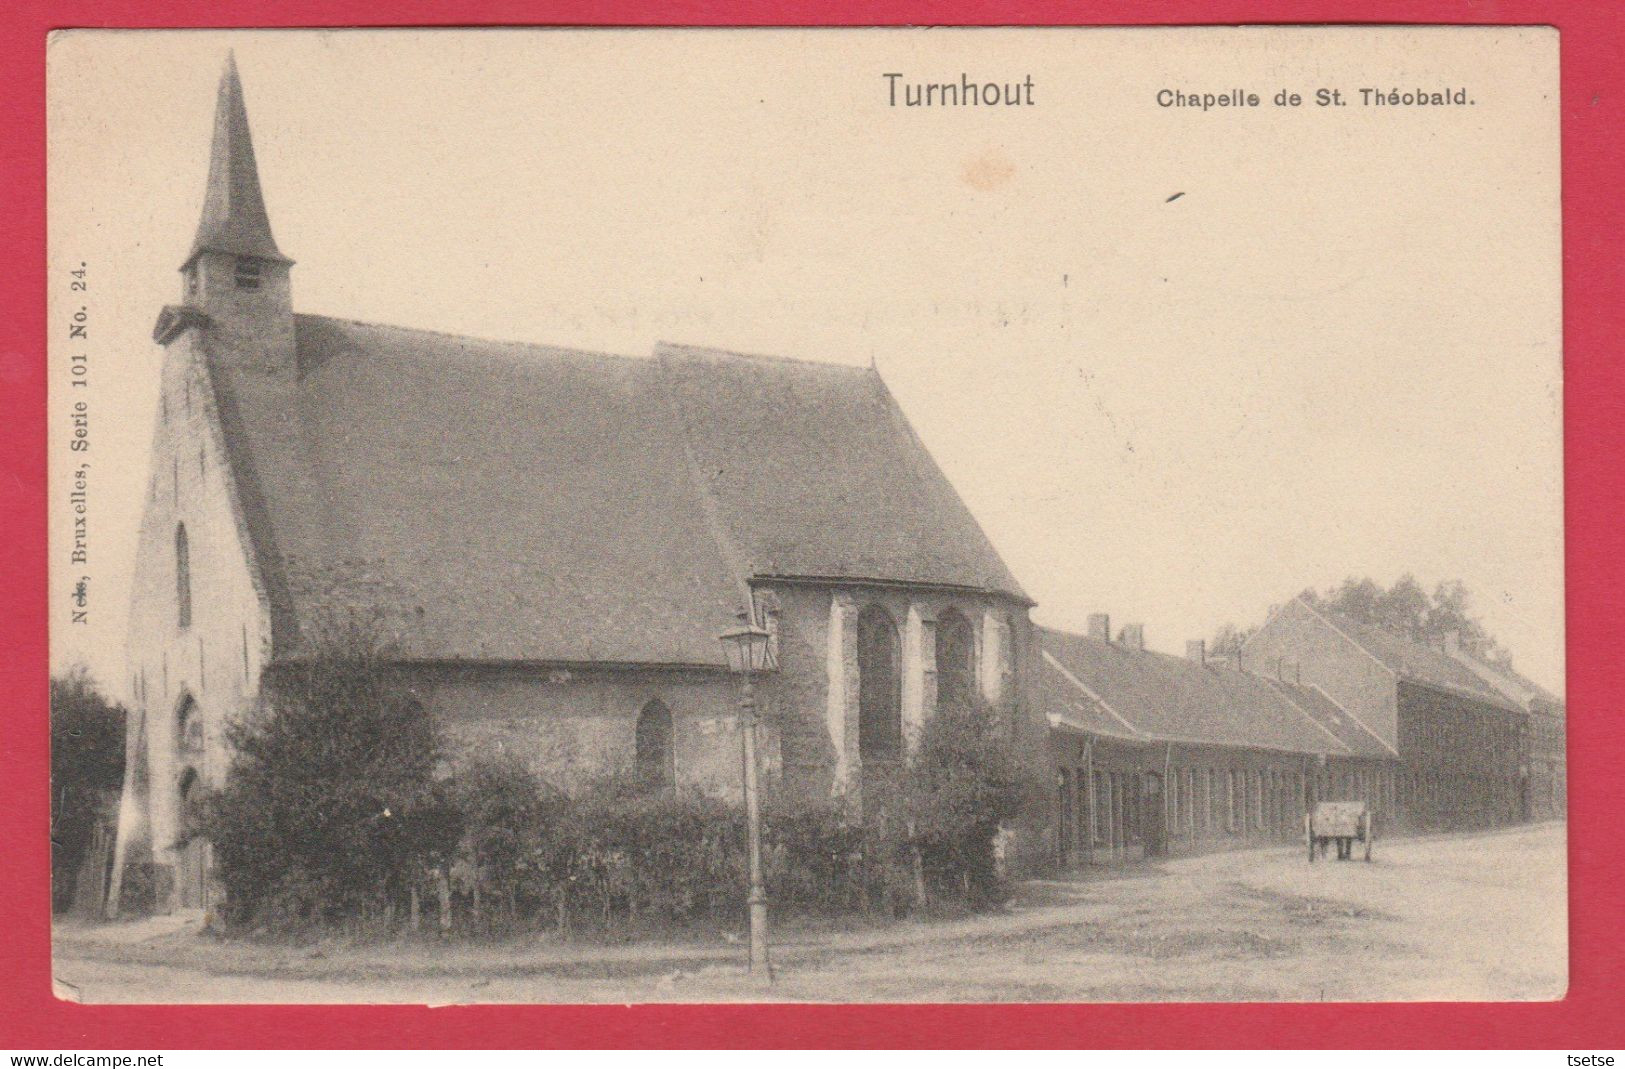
[
  {"x": 1413, "y": 661},
  {"x": 1113, "y": 689},
  {"x": 499, "y": 501},
  {"x": 1520, "y": 688},
  {"x": 1359, "y": 739}
]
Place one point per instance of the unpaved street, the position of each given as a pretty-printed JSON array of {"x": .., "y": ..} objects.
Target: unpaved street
[{"x": 1460, "y": 917}]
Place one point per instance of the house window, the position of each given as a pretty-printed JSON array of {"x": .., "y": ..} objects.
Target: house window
[
  {"x": 656, "y": 763},
  {"x": 183, "y": 577},
  {"x": 880, "y": 705},
  {"x": 956, "y": 659},
  {"x": 247, "y": 274}
]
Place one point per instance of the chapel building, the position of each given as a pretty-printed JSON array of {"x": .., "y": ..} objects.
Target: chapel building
[{"x": 553, "y": 539}]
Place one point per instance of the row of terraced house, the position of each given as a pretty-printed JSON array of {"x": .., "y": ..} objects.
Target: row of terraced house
[{"x": 1155, "y": 753}]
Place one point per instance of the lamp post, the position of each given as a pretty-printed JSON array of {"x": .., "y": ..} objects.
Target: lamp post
[{"x": 748, "y": 652}]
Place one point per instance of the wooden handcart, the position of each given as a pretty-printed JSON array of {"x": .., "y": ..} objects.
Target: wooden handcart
[{"x": 1344, "y": 824}]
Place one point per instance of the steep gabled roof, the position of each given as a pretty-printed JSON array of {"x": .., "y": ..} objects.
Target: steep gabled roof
[
  {"x": 1410, "y": 660},
  {"x": 816, "y": 473},
  {"x": 1106, "y": 686},
  {"x": 1333, "y": 718},
  {"x": 508, "y": 502}
]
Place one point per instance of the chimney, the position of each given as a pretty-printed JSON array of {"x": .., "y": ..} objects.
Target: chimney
[
  {"x": 1133, "y": 636},
  {"x": 1100, "y": 627},
  {"x": 1196, "y": 650}
]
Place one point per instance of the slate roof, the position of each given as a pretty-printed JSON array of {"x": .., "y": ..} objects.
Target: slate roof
[
  {"x": 1118, "y": 690},
  {"x": 513, "y": 502},
  {"x": 816, "y": 473},
  {"x": 1360, "y": 740},
  {"x": 1520, "y": 688},
  {"x": 234, "y": 218},
  {"x": 1413, "y": 661}
]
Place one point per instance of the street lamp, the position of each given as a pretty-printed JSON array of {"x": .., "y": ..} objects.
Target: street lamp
[{"x": 748, "y": 653}]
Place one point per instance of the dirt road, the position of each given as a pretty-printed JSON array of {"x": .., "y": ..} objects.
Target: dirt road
[{"x": 1463, "y": 917}]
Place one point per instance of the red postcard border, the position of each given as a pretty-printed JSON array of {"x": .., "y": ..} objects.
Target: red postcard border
[{"x": 1593, "y": 57}]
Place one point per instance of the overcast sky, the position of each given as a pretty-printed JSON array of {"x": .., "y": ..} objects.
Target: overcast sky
[{"x": 1336, "y": 353}]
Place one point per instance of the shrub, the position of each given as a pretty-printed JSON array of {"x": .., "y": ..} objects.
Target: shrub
[
  {"x": 649, "y": 857},
  {"x": 508, "y": 820},
  {"x": 331, "y": 814},
  {"x": 330, "y": 811}
]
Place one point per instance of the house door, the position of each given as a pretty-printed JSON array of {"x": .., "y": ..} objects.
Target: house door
[{"x": 1153, "y": 822}]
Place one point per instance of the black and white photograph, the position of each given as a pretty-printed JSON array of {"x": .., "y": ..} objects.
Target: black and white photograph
[{"x": 838, "y": 515}]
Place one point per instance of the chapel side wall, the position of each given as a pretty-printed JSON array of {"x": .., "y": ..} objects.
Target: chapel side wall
[
  {"x": 570, "y": 727},
  {"x": 216, "y": 660},
  {"x": 1326, "y": 659}
]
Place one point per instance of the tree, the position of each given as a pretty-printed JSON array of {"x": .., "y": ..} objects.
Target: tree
[
  {"x": 330, "y": 810},
  {"x": 1407, "y": 609},
  {"x": 1404, "y": 608},
  {"x": 505, "y": 812},
  {"x": 1228, "y": 640},
  {"x": 968, "y": 778},
  {"x": 87, "y": 759},
  {"x": 1451, "y": 612}
]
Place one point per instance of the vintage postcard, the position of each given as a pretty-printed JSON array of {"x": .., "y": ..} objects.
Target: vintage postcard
[{"x": 907, "y": 515}]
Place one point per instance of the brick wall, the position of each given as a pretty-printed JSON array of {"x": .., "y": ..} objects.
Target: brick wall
[
  {"x": 1461, "y": 760},
  {"x": 1212, "y": 796}
]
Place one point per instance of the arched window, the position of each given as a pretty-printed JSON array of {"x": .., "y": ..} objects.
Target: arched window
[
  {"x": 188, "y": 793},
  {"x": 956, "y": 659},
  {"x": 880, "y": 701},
  {"x": 189, "y": 728},
  {"x": 655, "y": 758},
  {"x": 183, "y": 576}
]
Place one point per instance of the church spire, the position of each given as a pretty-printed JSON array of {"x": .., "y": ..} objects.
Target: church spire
[{"x": 234, "y": 219}]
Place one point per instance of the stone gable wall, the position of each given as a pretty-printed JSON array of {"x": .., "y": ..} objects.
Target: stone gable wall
[
  {"x": 1328, "y": 660},
  {"x": 217, "y": 659}
]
